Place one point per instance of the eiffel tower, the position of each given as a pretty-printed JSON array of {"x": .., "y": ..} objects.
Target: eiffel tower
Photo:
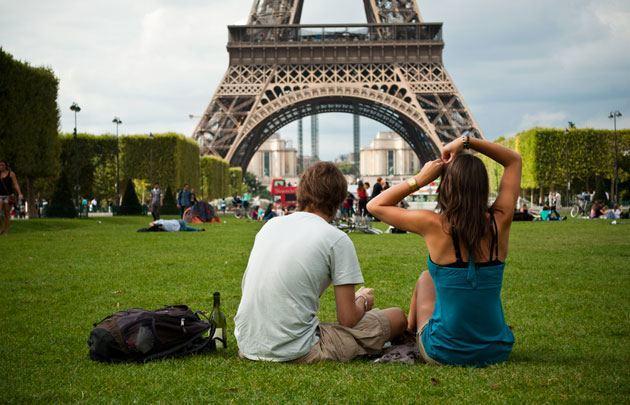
[{"x": 389, "y": 70}]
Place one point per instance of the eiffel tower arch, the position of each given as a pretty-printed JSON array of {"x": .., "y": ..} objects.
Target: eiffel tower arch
[{"x": 389, "y": 70}]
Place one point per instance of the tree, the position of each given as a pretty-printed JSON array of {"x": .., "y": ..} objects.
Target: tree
[
  {"x": 61, "y": 205},
  {"x": 130, "y": 204},
  {"x": 29, "y": 122},
  {"x": 169, "y": 205},
  {"x": 255, "y": 187}
]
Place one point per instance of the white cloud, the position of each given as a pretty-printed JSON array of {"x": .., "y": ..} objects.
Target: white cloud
[
  {"x": 153, "y": 62},
  {"x": 543, "y": 119}
]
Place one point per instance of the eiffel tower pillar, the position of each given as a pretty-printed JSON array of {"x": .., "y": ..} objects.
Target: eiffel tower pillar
[{"x": 389, "y": 70}]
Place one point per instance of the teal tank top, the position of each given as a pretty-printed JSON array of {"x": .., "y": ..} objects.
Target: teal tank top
[{"x": 467, "y": 326}]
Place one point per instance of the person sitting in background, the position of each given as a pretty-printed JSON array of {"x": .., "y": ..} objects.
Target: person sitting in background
[
  {"x": 614, "y": 213},
  {"x": 597, "y": 210},
  {"x": 550, "y": 214},
  {"x": 523, "y": 214},
  {"x": 254, "y": 213},
  {"x": 269, "y": 213},
  {"x": 170, "y": 225},
  {"x": 261, "y": 213}
]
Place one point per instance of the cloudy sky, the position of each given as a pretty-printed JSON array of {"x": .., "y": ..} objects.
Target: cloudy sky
[{"x": 518, "y": 63}]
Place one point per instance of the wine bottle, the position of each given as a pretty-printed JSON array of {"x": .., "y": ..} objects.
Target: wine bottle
[{"x": 218, "y": 320}]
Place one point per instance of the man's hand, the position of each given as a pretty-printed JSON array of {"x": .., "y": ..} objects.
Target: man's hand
[{"x": 367, "y": 294}]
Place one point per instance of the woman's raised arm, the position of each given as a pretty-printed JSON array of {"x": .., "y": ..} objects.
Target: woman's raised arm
[{"x": 384, "y": 206}]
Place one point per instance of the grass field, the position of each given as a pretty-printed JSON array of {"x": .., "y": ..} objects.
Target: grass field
[{"x": 566, "y": 295}]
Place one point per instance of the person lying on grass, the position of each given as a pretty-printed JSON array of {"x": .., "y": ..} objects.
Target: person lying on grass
[
  {"x": 456, "y": 308},
  {"x": 170, "y": 225},
  {"x": 294, "y": 259}
]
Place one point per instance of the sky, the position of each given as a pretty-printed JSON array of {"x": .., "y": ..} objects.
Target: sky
[{"x": 518, "y": 63}]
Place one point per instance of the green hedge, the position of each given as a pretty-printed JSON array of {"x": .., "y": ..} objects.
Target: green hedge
[
  {"x": 553, "y": 157},
  {"x": 215, "y": 174},
  {"x": 29, "y": 122},
  {"x": 170, "y": 159},
  {"x": 236, "y": 181},
  {"x": 90, "y": 161}
]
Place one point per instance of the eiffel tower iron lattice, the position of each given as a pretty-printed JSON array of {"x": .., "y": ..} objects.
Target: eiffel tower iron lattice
[{"x": 389, "y": 70}]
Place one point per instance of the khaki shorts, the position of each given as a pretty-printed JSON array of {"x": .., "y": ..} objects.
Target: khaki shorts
[
  {"x": 339, "y": 343},
  {"x": 423, "y": 354}
]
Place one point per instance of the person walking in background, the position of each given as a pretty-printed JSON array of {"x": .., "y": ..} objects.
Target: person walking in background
[
  {"x": 8, "y": 188},
  {"x": 184, "y": 199},
  {"x": 362, "y": 195},
  {"x": 378, "y": 187},
  {"x": 455, "y": 310},
  {"x": 156, "y": 201}
]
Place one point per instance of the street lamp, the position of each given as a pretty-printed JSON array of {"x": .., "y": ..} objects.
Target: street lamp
[
  {"x": 117, "y": 121},
  {"x": 75, "y": 107},
  {"x": 613, "y": 116}
]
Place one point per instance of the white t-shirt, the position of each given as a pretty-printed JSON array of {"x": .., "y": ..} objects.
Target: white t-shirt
[
  {"x": 294, "y": 259},
  {"x": 169, "y": 225}
]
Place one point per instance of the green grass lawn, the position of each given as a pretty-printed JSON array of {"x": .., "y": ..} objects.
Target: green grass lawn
[{"x": 566, "y": 295}]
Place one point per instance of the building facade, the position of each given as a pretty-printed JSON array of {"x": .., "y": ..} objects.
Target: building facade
[
  {"x": 388, "y": 156},
  {"x": 275, "y": 158}
]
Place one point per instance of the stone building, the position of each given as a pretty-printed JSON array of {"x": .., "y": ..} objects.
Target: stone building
[
  {"x": 388, "y": 156},
  {"x": 275, "y": 158}
]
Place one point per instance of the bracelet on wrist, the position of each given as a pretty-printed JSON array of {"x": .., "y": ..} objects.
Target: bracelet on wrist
[
  {"x": 466, "y": 141},
  {"x": 413, "y": 184}
]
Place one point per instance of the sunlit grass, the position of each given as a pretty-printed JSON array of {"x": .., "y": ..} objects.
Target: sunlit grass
[{"x": 566, "y": 294}]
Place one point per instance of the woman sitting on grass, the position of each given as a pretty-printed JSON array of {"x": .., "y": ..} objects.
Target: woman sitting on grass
[{"x": 456, "y": 308}]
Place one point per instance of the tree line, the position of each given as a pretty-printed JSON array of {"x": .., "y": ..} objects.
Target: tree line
[
  {"x": 89, "y": 165},
  {"x": 569, "y": 161}
]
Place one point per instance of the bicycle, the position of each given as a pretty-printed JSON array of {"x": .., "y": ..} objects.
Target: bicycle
[{"x": 579, "y": 208}]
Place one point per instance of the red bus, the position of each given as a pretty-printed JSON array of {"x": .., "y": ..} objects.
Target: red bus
[{"x": 283, "y": 194}]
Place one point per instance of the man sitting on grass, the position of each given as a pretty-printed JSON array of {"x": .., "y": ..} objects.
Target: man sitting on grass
[{"x": 294, "y": 259}]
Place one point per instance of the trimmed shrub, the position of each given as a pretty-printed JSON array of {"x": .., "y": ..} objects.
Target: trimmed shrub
[
  {"x": 169, "y": 205},
  {"x": 170, "y": 159},
  {"x": 553, "y": 158},
  {"x": 29, "y": 122},
  {"x": 215, "y": 176},
  {"x": 130, "y": 203},
  {"x": 61, "y": 205}
]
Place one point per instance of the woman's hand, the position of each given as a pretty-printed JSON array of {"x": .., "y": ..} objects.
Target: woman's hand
[
  {"x": 451, "y": 150},
  {"x": 430, "y": 171}
]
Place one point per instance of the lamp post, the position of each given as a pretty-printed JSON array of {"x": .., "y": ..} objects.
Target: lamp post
[
  {"x": 75, "y": 108},
  {"x": 117, "y": 121},
  {"x": 613, "y": 116},
  {"x": 567, "y": 165}
]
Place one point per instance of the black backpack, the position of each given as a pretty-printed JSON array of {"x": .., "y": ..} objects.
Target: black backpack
[{"x": 138, "y": 335}]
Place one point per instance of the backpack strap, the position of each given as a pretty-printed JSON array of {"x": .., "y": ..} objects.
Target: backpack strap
[{"x": 183, "y": 349}]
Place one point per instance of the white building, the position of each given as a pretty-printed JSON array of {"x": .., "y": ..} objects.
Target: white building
[
  {"x": 275, "y": 158},
  {"x": 388, "y": 156}
]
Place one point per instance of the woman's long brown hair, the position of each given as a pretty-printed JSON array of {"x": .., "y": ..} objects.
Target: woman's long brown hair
[{"x": 463, "y": 200}]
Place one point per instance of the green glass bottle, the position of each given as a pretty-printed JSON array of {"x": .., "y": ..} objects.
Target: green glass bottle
[{"x": 218, "y": 319}]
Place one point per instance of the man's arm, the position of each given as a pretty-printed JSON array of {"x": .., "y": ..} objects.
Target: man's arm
[{"x": 352, "y": 306}]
